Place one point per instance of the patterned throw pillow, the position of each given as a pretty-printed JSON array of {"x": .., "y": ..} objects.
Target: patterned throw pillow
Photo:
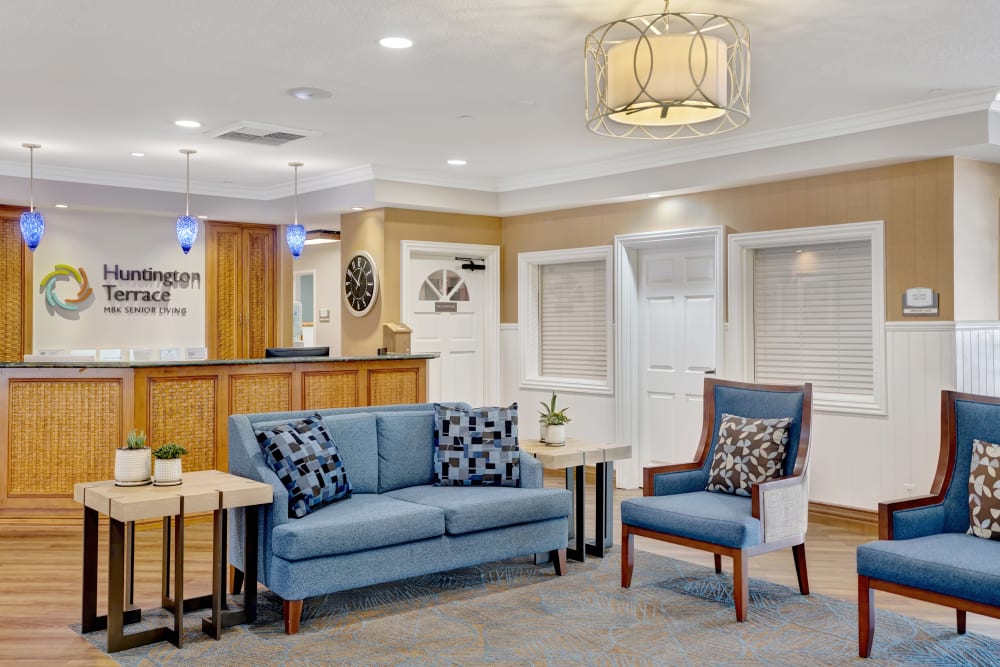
[
  {"x": 308, "y": 464},
  {"x": 749, "y": 451},
  {"x": 984, "y": 491},
  {"x": 476, "y": 447}
]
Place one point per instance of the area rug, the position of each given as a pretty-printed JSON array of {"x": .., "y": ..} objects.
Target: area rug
[{"x": 517, "y": 613}]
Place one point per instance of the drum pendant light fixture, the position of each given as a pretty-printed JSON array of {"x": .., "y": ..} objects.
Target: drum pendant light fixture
[
  {"x": 667, "y": 76},
  {"x": 187, "y": 224},
  {"x": 295, "y": 234},
  {"x": 32, "y": 222}
]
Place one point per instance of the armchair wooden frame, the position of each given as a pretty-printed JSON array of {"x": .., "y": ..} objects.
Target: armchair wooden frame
[
  {"x": 740, "y": 557},
  {"x": 939, "y": 489}
]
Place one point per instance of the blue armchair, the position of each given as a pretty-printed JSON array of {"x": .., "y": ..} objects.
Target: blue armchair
[
  {"x": 676, "y": 508},
  {"x": 923, "y": 551}
]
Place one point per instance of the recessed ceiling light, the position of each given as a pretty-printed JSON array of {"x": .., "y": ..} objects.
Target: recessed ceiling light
[
  {"x": 457, "y": 163},
  {"x": 395, "y": 42},
  {"x": 137, "y": 154},
  {"x": 62, "y": 205},
  {"x": 357, "y": 208},
  {"x": 187, "y": 123},
  {"x": 654, "y": 195},
  {"x": 203, "y": 217},
  {"x": 306, "y": 93}
]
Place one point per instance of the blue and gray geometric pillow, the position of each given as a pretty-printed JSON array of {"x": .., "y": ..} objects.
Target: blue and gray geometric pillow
[
  {"x": 748, "y": 451},
  {"x": 308, "y": 463},
  {"x": 476, "y": 447}
]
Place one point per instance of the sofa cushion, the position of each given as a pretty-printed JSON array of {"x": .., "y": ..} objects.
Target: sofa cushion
[
  {"x": 984, "y": 491},
  {"x": 718, "y": 518},
  {"x": 357, "y": 441},
  {"x": 365, "y": 521},
  {"x": 476, "y": 446},
  {"x": 468, "y": 509},
  {"x": 955, "y": 564},
  {"x": 405, "y": 449},
  {"x": 748, "y": 451},
  {"x": 307, "y": 462}
]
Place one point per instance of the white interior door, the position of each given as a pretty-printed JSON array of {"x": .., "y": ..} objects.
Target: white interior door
[{"x": 447, "y": 318}]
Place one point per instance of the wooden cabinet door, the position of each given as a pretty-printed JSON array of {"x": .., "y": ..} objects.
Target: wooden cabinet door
[
  {"x": 259, "y": 290},
  {"x": 15, "y": 290}
]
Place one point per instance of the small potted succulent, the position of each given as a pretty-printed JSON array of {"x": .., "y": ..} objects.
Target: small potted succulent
[
  {"x": 168, "y": 464},
  {"x": 553, "y": 423},
  {"x": 132, "y": 462}
]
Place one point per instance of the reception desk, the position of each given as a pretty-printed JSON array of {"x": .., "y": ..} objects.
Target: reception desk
[{"x": 61, "y": 422}]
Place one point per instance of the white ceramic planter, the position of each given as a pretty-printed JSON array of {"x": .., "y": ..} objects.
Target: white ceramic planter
[
  {"x": 132, "y": 466},
  {"x": 167, "y": 472},
  {"x": 555, "y": 435},
  {"x": 543, "y": 431}
]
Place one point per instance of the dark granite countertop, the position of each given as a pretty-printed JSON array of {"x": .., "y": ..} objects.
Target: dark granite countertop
[{"x": 210, "y": 362}]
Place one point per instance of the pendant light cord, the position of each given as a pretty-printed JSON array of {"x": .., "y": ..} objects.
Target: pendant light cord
[
  {"x": 295, "y": 200},
  {"x": 31, "y": 179},
  {"x": 187, "y": 187}
]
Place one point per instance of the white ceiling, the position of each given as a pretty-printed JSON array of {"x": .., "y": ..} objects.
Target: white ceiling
[{"x": 93, "y": 81}]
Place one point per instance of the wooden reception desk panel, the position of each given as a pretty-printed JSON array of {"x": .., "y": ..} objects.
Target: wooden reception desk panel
[{"x": 62, "y": 423}]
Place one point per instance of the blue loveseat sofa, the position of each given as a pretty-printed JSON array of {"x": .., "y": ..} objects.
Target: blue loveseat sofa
[{"x": 396, "y": 524}]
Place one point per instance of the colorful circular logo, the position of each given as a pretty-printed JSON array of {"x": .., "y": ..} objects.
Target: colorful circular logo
[{"x": 65, "y": 271}]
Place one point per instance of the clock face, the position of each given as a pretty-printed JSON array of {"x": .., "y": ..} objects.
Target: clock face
[{"x": 360, "y": 284}]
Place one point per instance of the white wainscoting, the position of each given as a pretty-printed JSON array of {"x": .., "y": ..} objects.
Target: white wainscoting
[
  {"x": 857, "y": 460},
  {"x": 977, "y": 350}
]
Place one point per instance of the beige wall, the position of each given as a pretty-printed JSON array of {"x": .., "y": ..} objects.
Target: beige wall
[
  {"x": 328, "y": 291},
  {"x": 915, "y": 200},
  {"x": 363, "y": 231},
  {"x": 977, "y": 242}
]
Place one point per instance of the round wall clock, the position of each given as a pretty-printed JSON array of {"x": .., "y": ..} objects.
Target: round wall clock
[{"x": 360, "y": 284}]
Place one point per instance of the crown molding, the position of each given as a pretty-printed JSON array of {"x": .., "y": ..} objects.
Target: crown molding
[
  {"x": 418, "y": 177},
  {"x": 316, "y": 182}
]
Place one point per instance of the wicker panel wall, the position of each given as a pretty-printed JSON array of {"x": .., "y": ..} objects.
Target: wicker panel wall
[
  {"x": 334, "y": 389},
  {"x": 260, "y": 393},
  {"x": 182, "y": 410},
  {"x": 11, "y": 291},
  {"x": 227, "y": 293},
  {"x": 260, "y": 291},
  {"x": 62, "y": 432},
  {"x": 389, "y": 386}
]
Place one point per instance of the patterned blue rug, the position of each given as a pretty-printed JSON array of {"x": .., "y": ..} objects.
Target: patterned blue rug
[{"x": 516, "y": 613}]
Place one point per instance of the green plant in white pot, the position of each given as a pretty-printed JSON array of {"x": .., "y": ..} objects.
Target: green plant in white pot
[
  {"x": 553, "y": 423},
  {"x": 132, "y": 462},
  {"x": 168, "y": 464}
]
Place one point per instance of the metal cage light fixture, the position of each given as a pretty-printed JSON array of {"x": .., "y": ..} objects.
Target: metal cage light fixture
[
  {"x": 667, "y": 76},
  {"x": 187, "y": 224},
  {"x": 295, "y": 234},
  {"x": 32, "y": 222}
]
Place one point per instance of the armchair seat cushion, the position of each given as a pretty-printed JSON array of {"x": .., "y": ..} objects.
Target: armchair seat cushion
[
  {"x": 468, "y": 509},
  {"x": 953, "y": 564},
  {"x": 717, "y": 518},
  {"x": 364, "y": 521}
]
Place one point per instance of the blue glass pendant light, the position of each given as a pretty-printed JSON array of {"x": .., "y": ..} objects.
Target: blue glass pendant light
[
  {"x": 295, "y": 234},
  {"x": 187, "y": 224},
  {"x": 32, "y": 222}
]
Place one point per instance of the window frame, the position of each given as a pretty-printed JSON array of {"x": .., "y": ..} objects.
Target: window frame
[
  {"x": 741, "y": 329},
  {"x": 528, "y": 265}
]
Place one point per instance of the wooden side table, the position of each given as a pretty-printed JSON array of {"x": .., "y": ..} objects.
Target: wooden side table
[
  {"x": 202, "y": 491},
  {"x": 572, "y": 457}
]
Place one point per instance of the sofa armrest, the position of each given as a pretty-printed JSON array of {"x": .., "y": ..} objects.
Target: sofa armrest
[
  {"x": 910, "y": 517},
  {"x": 532, "y": 473},
  {"x": 782, "y": 506},
  {"x": 671, "y": 479}
]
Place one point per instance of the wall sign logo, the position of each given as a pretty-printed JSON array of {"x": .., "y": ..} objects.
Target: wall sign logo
[{"x": 64, "y": 273}]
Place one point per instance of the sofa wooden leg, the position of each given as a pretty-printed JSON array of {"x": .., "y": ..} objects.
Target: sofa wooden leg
[
  {"x": 741, "y": 585},
  {"x": 558, "y": 558},
  {"x": 799, "y": 551},
  {"x": 235, "y": 580},
  {"x": 866, "y": 616},
  {"x": 292, "y": 611},
  {"x": 718, "y": 563},
  {"x": 960, "y": 618},
  {"x": 628, "y": 556}
]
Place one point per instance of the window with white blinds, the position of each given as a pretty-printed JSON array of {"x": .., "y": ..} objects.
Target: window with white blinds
[
  {"x": 813, "y": 319},
  {"x": 564, "y": 319},
  {"x": 572, "y": 316}
]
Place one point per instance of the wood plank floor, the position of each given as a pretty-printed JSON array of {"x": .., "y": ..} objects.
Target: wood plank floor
[{"x": 40, "y": 573}]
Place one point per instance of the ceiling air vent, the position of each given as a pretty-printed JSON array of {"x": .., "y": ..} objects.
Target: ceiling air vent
[{"x": 261, "y": 133}]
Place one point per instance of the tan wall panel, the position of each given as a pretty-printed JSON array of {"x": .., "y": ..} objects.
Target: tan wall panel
[
  {"x": 914, "y": 199},
  {"x": 182, "y": 410},
  {"x": 391, "y": 386},
  {"x": 329, "y": 389},
  {"x": 362, "y": 231},
  {"x": 250, "y": 394}
]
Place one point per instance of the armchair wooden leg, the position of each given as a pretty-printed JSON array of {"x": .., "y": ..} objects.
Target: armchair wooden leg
[
  {"x": 558, "y": 558},
  {"x": 628, "y": 556},
  {"x": 235, "y": 580},
  {"x": 718, "y": 563},
  {"x": 741, "y": 585},
  {"x": 799, "y": 551},
  {"x": 292, "y": 611},
  {"x": 866, "y": 616},
  {"x": 960, "y": 618}
]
